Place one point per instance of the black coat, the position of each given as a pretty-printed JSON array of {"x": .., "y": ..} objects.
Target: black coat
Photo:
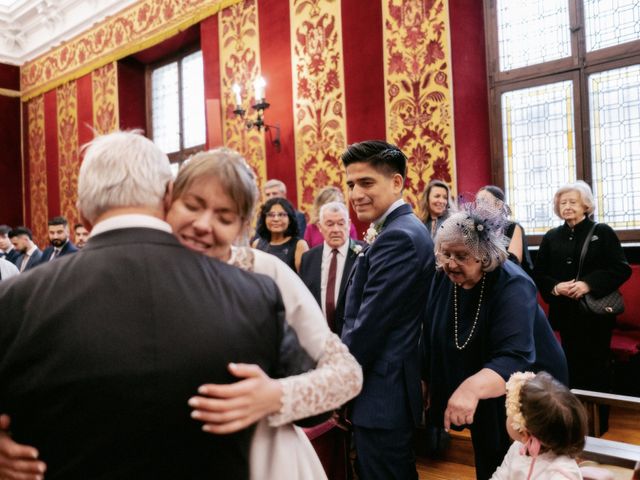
[
  {"x": 605, "y": 266},
  {"x": 101, "y": 350}
]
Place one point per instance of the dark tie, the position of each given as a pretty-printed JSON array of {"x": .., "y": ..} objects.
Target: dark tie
[{"x": 330, "y": 302}]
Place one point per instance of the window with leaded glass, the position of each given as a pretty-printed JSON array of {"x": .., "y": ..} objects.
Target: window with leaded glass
[
  {"x": 177, "y": 111},
  {"x": 564, "y": 78}
]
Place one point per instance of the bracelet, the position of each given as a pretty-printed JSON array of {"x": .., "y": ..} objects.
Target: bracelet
[{"x": 555, "y": 290}]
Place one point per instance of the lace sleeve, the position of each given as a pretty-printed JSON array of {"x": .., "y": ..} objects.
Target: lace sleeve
[{"x": 336, "y": 379}]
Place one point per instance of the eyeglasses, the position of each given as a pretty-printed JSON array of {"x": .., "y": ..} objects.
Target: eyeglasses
[
  {"x": 458, "y": 259},
  {"x": 277, "y": 215}
]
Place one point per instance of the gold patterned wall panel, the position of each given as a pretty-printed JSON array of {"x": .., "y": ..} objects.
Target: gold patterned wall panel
[
  {"x": 418, "y": 95},
  {"x": 68, "y": 149},
  {"x": 240, "y": 63},
  {"x": 318, "y": 96},
  {"x": 105, "y": 98},
  {"x": 37, "y": 170},
  {"x": 141, "y": 25}
]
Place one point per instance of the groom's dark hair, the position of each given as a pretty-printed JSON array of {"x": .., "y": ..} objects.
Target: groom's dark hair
[{"x": 383, "y": 156}]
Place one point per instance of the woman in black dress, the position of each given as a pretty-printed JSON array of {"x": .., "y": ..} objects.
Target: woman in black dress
[
  {"x": 483, "y": 323},
  {"x": 585, "y": 337},
  {"x": 277, "y": 232}
]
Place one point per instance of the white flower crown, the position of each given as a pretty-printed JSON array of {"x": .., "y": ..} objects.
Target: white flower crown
[{"x": 513, "y": 404}]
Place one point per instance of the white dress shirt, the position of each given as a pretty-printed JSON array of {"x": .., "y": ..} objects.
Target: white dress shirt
[
  {"x": 341, "y": 257},
  {"x": 134, "y": 220}
]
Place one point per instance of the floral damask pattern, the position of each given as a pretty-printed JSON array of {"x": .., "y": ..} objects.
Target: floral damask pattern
[
  {"x": 105, "y": 98},
  {"x": 68, "y": 149},
  {"x": 144, "y": 20},
  {"x": 37, "y": 170},
  {"x": 418, "y": 89},
  {"x": 318, "y": 97},
  {"x": 240, "y": 61}
]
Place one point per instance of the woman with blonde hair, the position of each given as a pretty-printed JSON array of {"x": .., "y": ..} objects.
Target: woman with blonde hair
[{"x": 312, "y": 233}]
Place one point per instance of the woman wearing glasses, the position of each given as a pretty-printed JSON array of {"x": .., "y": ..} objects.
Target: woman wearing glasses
[
  {"x": 278, "y": 232},
  {"x": 483, "y": 323}
]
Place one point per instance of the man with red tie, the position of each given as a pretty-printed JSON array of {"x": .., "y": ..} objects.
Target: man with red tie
[{"x": 326, "y": 267}]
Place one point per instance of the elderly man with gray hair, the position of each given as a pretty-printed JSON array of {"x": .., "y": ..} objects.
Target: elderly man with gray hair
[
  {"x": 326, "y": 267},
  {"x": 96, "y": 374}
]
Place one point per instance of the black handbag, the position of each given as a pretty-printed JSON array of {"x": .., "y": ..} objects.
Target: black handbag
[{"x": 609, "y": 304}]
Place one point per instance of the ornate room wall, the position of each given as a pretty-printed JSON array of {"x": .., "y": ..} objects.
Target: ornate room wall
[{"x": 338, "y": 72}]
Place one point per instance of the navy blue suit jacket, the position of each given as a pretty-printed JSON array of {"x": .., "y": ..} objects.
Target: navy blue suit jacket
[
  {"x": 311, "y": 275},
  {"x": 385, "y": 305},
  {"x": 34, "y": 260},
  {"x": 66, "y": 248}
]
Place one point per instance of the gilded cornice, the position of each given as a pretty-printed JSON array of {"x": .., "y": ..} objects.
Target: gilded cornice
[{"x": 135, "y": 28}]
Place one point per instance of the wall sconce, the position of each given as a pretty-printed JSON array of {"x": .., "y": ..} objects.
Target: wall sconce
[{"x": 260, "y": 106}]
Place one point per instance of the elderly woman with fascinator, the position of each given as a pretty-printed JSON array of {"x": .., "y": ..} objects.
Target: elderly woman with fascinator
[{"x": 483, "y": 323}]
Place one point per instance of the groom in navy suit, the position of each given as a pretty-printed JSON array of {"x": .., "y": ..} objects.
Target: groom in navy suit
[{"x": 385, "y": 303}]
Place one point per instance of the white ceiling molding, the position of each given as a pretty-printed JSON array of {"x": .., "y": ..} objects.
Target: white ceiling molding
[{"x": 29, "y": 28}]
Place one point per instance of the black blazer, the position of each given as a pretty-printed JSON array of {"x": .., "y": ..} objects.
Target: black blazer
[
  {"x": 101, "y": 350},
  {"x": 310, "y": 273},
  {"x": 14, "y": 256},
  {"x": 34, "y": 260},
  {"x": 66, "y": 249}
]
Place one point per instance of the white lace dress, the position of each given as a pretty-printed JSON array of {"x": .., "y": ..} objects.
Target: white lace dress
[{"x": 279, "y": 449}]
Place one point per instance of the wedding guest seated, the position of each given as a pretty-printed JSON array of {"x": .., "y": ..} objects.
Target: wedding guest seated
[
  {"x": 277, "y": 232},
  {"x": 483, "y": 323},
  {"x": 7, "y": 269},
  {"x": 312, "y": 234}
]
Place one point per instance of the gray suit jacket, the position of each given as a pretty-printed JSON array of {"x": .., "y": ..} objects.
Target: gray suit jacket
[{"x": 101, "y": 350}]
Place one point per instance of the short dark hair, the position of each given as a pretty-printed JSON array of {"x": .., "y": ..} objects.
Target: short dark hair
[
  {"x": 78, "y": 225},
  {"x": 4, "y": 230},
  {"x": 21, "y": 231},
  {"x": 553, "y": 415},
  {"x": 383, "y": 156},
  {"x": 263, "y": 231},
  {"x": 58, "y": 221},
  {"x": 495, "y": 191}
]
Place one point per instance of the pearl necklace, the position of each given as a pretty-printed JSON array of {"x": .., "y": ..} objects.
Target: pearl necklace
[{"x": 455, "y": 315}]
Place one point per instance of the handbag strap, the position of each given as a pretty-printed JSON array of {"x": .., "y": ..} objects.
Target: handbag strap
[{"x": 585, "y": 247}]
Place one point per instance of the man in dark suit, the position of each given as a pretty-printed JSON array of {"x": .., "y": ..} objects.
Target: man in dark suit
[
  {"x": 386, "y": 298},
  {"x": 96, "y": 374},
  {"x": 22, "y": 240},
  {"x": 325, "y": 268},
  {"x": 7, "y": 251},
  {"x": 59, "y": 240}
]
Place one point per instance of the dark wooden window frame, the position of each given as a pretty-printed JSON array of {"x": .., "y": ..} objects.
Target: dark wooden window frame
[
  {"x": 578, "y": 67},
  {"x": 183, "y": 153}
]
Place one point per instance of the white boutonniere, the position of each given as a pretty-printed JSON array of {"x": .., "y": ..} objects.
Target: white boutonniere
[
  {"x": 355, "y": 248},
  {"x": 372, "y": 233}
]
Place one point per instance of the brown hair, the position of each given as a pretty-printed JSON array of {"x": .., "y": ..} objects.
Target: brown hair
[
  {"x": 326, "y": 195},
  {"x": 553, "y": 415},
  {"x": 230, "y": 169},
  {"x": 425, "y": 215}
]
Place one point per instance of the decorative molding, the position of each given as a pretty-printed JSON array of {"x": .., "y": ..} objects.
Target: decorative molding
[
  {"x": 418, "y": 91},
  {"x": 318, "y": 96},
  {"x": 135, "y": 28},
  {"x": 240, "y": 63},
  {"x": 6, "y": 92}
]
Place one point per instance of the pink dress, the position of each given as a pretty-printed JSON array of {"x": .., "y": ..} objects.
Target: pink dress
[{"x": 313, "y": 236}]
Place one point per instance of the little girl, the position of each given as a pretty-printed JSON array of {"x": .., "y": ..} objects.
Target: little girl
[{"x": 548, "y": 424}]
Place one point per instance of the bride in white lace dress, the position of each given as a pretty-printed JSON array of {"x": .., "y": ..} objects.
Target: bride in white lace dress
[{"x": 212, "y": 204}]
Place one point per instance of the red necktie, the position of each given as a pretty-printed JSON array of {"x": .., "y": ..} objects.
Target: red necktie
[{"x": 330, "y": 303}]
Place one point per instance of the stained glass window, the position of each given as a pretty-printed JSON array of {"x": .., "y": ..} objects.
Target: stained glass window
[
  {"x": 539, "y": 152},
  {"x": 532, "y": 32},
  {"x": 611, "y": 22},
  {"x": 614, "y": 109}
]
